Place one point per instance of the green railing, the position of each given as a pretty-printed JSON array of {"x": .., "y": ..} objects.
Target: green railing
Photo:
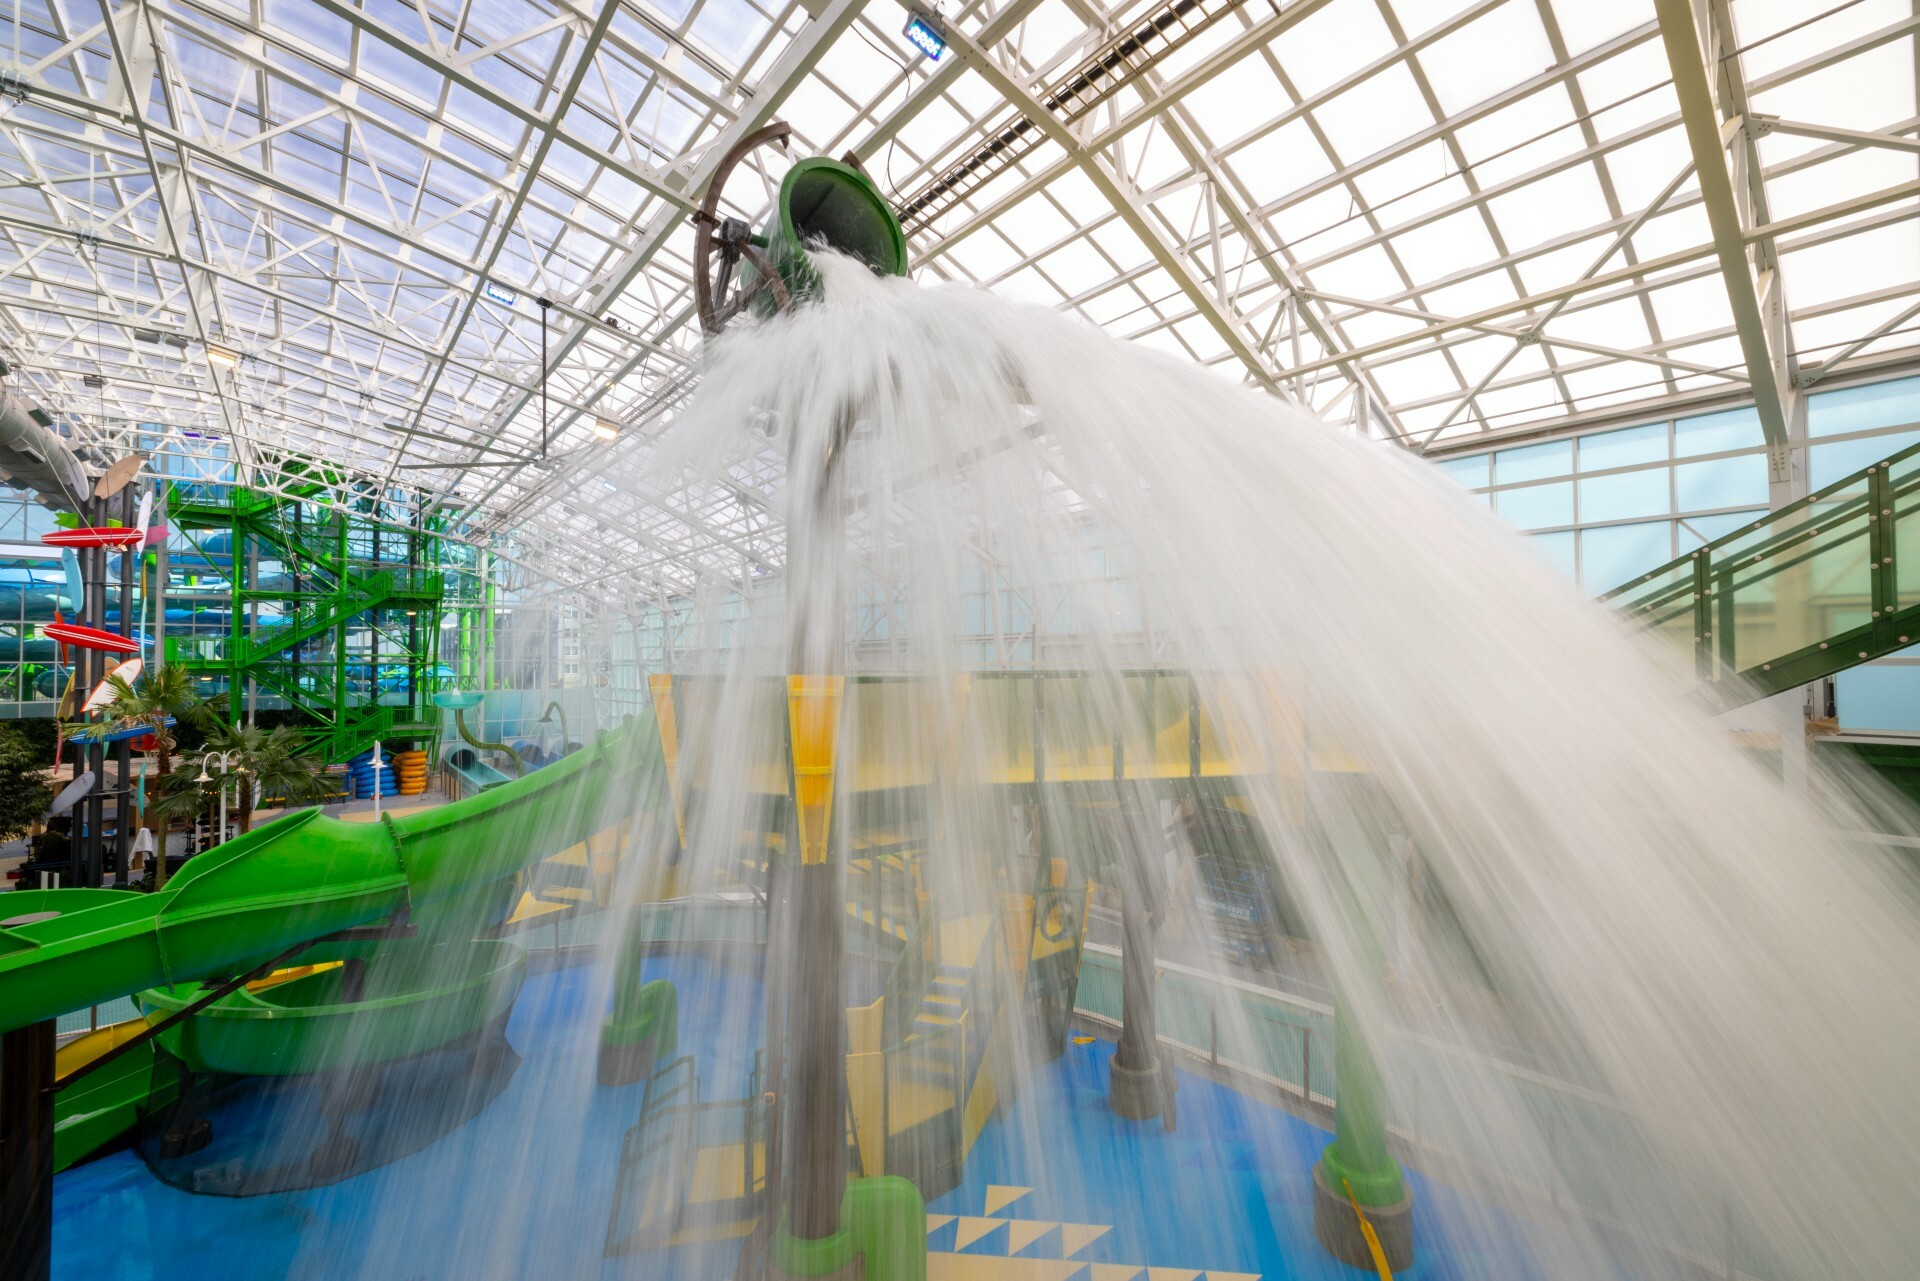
[
  {"x": 1803, "y": 592},
  {"x": 315, "y": 617}
]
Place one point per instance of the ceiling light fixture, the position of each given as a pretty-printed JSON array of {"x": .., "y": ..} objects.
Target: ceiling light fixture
[
  {"x": 224, "y": 357},
  {"x": 927, "y": 33},
  {"x": 606, "y": 429}
]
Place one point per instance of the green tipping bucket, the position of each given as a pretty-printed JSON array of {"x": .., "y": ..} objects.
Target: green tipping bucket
[{"x": 827, "y": 202}]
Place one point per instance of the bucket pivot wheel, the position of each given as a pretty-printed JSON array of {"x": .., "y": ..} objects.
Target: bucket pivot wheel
[{"x": 720, "y": 289}]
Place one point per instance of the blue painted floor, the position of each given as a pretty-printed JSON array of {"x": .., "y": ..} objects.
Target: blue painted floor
[
  {"x": 1229, "y": 1190},
  {"x": 523, "y": 1191}
]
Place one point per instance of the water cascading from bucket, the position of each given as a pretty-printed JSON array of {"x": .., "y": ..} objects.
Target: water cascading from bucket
[
  {"x": 1610, "y": 895},
  {"x": 1631, "y": 1009}
]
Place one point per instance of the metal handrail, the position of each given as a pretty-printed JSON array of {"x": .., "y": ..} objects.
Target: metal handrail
[{"x": 1851, "y": 526}]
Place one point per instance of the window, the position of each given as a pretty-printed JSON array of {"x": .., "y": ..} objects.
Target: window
[
  {"x": 1722, "y": 482},
  {"x": 1536, "y": 506},
  {"x": 1609, "y": 556},
  {"x": 1624, "y": 496},
  {"x": 1630, "y": 447},
  {"x": 1718, "y": 433},
  {"x": 1889, "y": 404},
  {"x": 1533, "y": 462}
]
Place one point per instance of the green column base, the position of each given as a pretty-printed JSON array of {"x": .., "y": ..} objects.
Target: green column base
[
  {"x": 1337, "y": 1227},
  {"x": 643, "y": 1028},
  {"x": 1380, "y": 1186},
  {"x": 882, "y": 1237}
]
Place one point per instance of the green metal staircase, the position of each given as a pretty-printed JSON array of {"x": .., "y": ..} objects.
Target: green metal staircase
[
  {"x": 322, "y": 587},
  {"x": 321, "y": 614},
  {"x": 1800, "y": 594}
]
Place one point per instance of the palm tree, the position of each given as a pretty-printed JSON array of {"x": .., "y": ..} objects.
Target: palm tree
[
  {"x": 272, "y": 762},
  {"x": 163, "y": 694}
]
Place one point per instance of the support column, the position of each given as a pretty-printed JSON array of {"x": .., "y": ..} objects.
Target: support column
[
  {"x": 1362, "y": 1212},
  {"x": 123, "y": 751},
  {"x": 94, "y": 665},
  {"x": 830, "y": 1227},
  {"x": 1140, "y": 1087},
  {"x": 26, "y": 1152},
  {"x": 816, "y": 1017}
]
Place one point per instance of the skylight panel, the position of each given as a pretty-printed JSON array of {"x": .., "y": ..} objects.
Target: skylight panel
[
  {"x": 1445, "y": 245},
  {"x": 856, "y": 64},
  {"x": 1372, "y": 115},
  {"x": 1519, "y": 138},
  {"x": 1584, "y": 24},
  {"x": 1476, "y": 293},
  {"x": 931, "y": 133},
  {"x": 1816, "y": 186},
  {"x": 1237, "y": 97},
  {"x": 983, "y": 255},
  {"x": 1075, "y": 193},
  {"x": 1121, "y": 244},
  {"x": 1496, "y": 50},
  {"x": 1871, "y": 90},
  {"x": 1417, "y": 377},
  {"x": 1509, "y": 406},
  {"x": 1758, "y": 22},
  {"x": 1818, "y": 338},
  {"x": 1411, "y": 184},
  {"x": 1332, "y": 43},
  {"x": 1715, "y": 353},
  {"x": 1076, "y": 267},
  {"x": 1544, "y": 269},
  {"x": 1280, "y": 162},
  {"x": 1852, "y": 265},
  {"x": 1691, "y": 307},
  {"x": 1551, "y": 205},
  {"x": 1641, "y": 170},
  {"x": 1475, "y": 356},
  {"x": 1201, "y": 338},
  {"x": 1416, "y": 16},
  {"x": 1367, "y": 273},
  {"x": 1620, "y": 324},
  {"x": 1630, "y": 88},
  {"x": 1153, "y": 159},
  {"x": 1050, "y": 28},
  {"x": 731, "y": 28},
  {"x": 1033, "y": 224}
]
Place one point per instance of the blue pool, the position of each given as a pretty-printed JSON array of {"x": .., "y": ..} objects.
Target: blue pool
[{"x": 524, "y": 1190}]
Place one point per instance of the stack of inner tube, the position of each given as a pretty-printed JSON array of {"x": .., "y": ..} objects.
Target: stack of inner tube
[
  {"x": 361, "y": 778},
  {"x": 412, "y": 770}
]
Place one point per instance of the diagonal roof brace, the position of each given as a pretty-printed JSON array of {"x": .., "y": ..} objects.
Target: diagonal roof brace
[
  {"x": 1125, "y": 202},
  {"x": 1758, "y": 311}
]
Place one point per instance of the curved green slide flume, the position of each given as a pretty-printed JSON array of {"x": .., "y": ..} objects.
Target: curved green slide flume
[{"x": 299, "y": 878}]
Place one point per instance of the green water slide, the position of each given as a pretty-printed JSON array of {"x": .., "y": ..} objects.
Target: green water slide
[
  {"x": 300, "y": 878},
  {"x": 1802, "y": 593}
]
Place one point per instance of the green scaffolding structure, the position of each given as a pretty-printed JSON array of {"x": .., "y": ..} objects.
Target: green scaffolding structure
[{"x": 331, "y": 612}]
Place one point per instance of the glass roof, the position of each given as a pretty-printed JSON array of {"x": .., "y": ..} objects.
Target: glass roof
[{"x": 326, "y": 226}]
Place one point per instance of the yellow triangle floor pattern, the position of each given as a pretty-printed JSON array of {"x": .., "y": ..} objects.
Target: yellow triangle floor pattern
[{"x": 1061, "y": 1240}]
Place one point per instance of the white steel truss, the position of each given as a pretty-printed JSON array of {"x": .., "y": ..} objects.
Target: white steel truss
[{"x": 335, "y": 229}]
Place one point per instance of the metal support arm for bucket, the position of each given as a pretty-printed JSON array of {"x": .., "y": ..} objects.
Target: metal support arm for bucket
[{"x": 821, "y": 203}]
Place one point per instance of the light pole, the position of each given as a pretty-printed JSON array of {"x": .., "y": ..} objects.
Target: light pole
[{"x": 225, "y": 767}]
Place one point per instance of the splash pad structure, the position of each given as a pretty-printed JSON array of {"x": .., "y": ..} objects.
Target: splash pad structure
[{"x": 1578, "y": 960}]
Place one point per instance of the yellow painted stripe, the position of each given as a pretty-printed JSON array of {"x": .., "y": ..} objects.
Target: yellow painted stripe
[{"x": 1366, "y": 1230}]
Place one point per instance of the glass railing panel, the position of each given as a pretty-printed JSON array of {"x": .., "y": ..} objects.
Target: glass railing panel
[
  {"x": 1903, "y": 487},
  {"x": 1793, "y": 580}
]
